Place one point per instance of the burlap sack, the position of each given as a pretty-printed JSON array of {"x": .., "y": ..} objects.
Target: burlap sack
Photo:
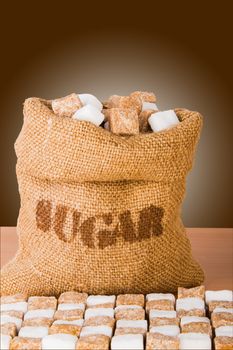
[{"x": 100, "y": 213}]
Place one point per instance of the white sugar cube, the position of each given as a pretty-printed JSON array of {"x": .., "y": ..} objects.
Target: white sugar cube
[
  {"x": 194, "y": 341},
  {"x": 149, "y": 105},
  {"x": 224, "y": 331},
  {"x": 99, "y": 312},
  {"x": 190, "y": 319},
  {"x": 218, "y": 310},
  {"x": 190, "y": 304},
  {"x": 10, "y": 319},
  {"x": 160, "y": 296},
  {"x": 93, "y": 330},
  {"x": 132, "y": 324},
  {"x": 45, "y": 313},
  {"x": 20, "y": 306},
  {"x": 169, "y": 330},
  {"x": 219, "y": 295},
  {"x": 100, "y": 299},
  {"x": 5, "y": 342},
  {"x": 67, "y": 306},
  {"x": 163, "y": 120},
  {"x": 90, "y": 114},
  {"x": 162, "y": 314},
  {"x": 74, "y": 322},
  {"x": 126, "y": 307},
  {"x": 127, "y": 342},
  {"x": 33, "y": 332},
  {"x": 88, "y": 99},
  {"x": 59, "y": 341}
]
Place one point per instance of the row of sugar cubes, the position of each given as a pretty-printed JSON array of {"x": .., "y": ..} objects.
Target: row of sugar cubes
[
  {"x": 106, "y": 315},
  {"x": 190, "y": 314},
  {"x": 122, "y": 115},
  {"x": 78, "y": 322},
  {"x": 220, "y": 307},
  {"x": 131, "y": 325},
  {"x": 61, "y": 327},
  {"x": 42, "y": 323}
]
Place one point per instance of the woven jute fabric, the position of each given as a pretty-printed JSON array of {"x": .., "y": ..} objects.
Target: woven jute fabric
[{"x": 99, "y": 212}]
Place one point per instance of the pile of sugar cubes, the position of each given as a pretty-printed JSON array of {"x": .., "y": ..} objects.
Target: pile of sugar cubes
[
  {"x": 194, "y": 320},
  {"x": 121, "y": 115}
]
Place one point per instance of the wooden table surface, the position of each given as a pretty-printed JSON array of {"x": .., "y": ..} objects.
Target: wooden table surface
[{"x": 212, "y": 247}]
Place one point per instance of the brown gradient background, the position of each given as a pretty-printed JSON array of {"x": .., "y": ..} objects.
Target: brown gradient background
[{"x": 180, "y": 50}]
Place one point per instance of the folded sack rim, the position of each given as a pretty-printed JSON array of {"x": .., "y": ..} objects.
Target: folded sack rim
[{"x": 149, "y": 157}]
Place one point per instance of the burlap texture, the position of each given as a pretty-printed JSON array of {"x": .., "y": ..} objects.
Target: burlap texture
[{"x": 100, "y": 213}]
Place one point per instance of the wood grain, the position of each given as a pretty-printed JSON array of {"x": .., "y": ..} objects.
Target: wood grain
[{"x": 212, "y": 247}]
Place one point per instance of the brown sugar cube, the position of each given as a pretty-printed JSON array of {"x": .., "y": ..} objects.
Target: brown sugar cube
[
  {"x": 35, "y": 303},
  {"x": 143, "y": 120},
  {"x": 16, "y": 298},
  {"x": 66, "y": 106},
  {"x": 130, "y": 330},
  {"x": 65, "y": 328},
  {"x": 144, "y": 96},
  {"x": 38, "y": 322},
  {"x": 221, "y": 319},
  {"x": 130, "y": 299},
  {"x": 18, "y": 314},
  {"x": 128, "y": 102},
  {"x": 123, "y": 121},
  {"x": 160, "y": 341},
  {"x": 134, "y": 102},
  {"x": 112, "y": 102},
  {"x": 20, "y": 343},
  {"x": 214, "y": 304},
  {"x": 131, "y": 327},
  {"x": 69, "y": 315},
  {"x": 196, "y": 292},
  {"x": 73, "y": 298},
  {"x": 159, "y": 305},
  {"x": 164, "y": 321},
  {"x": 223, "y": 343},
  {"x": 130, "y": 314},
  {"x": 9, "y": 329},
  {"x": 195, "y": 325},
  {"x": 100, "y": 321},
  {"x": 193, "y": 312},
  {"x": 93, "y": 342}
]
